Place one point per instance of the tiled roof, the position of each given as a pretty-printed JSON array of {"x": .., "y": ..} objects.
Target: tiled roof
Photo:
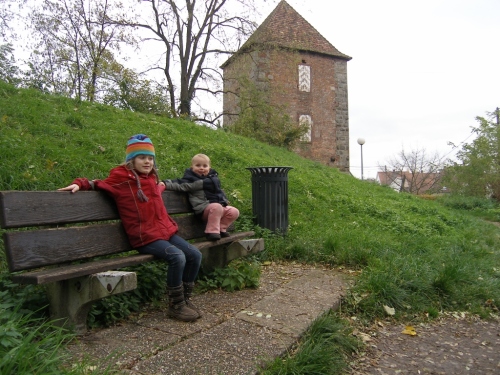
[
  {"x": 284, "y": 27},
  {"x": 424, "y": 181}
]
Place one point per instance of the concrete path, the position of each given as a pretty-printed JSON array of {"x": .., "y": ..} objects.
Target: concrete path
[{"x": 238, "y": 333}]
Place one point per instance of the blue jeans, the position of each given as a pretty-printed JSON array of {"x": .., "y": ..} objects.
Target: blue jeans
[{"x": 183, "y": 259}]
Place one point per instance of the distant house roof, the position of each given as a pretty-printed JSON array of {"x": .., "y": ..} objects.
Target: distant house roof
[
  {"x": 392, "y": 179},
  {"x": 422, "y": 182},
  {"x": 286, "y": 28}
]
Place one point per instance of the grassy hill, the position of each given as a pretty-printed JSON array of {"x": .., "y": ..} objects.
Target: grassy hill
[
  {"x": 410, "y": 254},
  {"x": 414, "y": 252}
]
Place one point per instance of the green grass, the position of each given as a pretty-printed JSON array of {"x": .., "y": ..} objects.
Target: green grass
[
  {"x": 417, "y": 256},
  {"x": 487, "y": 209},
  {"x": 29, "y": 344},
  {"x": 322, "y": 350}
]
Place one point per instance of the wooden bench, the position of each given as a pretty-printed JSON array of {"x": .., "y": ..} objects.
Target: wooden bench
[{"x": 73, "y": 242}]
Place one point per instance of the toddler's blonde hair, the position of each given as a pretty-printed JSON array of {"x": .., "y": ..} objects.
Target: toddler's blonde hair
[{"x": 200, "y": 156}]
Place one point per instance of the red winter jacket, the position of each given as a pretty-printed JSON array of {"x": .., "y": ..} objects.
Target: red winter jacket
[{"x": 144, "y": 222}]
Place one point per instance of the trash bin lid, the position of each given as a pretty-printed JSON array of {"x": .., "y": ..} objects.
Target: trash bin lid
[{"x": 267, "y": 170}]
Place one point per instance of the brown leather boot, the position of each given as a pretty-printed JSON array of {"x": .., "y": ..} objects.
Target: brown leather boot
[
  {"x": 188, "y": 292},
  {"x": 177, "y": 307}
]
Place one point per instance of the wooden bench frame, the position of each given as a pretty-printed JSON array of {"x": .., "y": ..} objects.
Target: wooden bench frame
[{"x": 69, "y": 242}]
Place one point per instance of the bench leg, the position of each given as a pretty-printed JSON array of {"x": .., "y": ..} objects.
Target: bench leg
[
  {"x": 220, "y": 256},
  {"x": 71, "y": 300},
  {"x": 242, "y": 248}
]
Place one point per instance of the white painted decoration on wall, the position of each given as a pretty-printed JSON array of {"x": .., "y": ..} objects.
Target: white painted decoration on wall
[{"x": 304, "y": 78}]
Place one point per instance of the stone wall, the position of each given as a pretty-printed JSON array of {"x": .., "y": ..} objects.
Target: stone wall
[{"x": 342, "y": 115}]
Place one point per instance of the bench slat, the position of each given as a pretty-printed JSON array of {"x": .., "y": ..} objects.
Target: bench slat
[
  {"x": 33, "y": 249},
  {"x": 32, "y": 208},
  {"x": 77, "y": 270},
  {"x": 45, "y": 247},
  {"x": 224, "y": 240}
]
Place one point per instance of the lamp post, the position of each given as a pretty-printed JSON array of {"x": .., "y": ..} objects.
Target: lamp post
[{"x": 361, "y": 142}]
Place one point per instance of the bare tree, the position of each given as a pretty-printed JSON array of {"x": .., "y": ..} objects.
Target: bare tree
[
  {"x": 8, "y": 67},
  {"x": 74, "y": 43},
  {"x": 414, "y": 172},
  {"x": 9, "y": 20},
  {"x": 9, "y": 14},
  {"x": 193, "y": 34},
  {"x": 128, "y": 91}
]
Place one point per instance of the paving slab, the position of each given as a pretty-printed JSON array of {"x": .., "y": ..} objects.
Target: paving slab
[
  {"x": 292, "y": 308},
  {"x": 191, "y": 357},
  {"x": 238, "y": 334},
  {"x": 121, "y": 346},
  {"x": 248, "y": 341},
  {"x": 160, "y": 321}
]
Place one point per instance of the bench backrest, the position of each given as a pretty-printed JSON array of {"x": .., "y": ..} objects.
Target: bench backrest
[{"x": 60, "y": 227}]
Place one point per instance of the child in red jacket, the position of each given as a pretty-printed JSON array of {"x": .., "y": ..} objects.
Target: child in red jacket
[{"x": 135, "y": 188}]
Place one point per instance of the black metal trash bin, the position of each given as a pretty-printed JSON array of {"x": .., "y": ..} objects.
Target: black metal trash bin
[{"x": 270, "y": 197}]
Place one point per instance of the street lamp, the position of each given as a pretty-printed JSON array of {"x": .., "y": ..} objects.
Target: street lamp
[{"x": 361, "y": 142}]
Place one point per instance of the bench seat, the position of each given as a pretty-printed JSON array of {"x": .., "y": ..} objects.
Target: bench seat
[{"x": 67, "y": 240}]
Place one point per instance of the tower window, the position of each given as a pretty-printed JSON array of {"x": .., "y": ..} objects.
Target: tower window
[
  {"x": 306, "y": 120},
  {"x": 304, "y": 78}
]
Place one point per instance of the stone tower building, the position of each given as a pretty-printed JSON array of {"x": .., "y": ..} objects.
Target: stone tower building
[{"x": 303, "y": 73}]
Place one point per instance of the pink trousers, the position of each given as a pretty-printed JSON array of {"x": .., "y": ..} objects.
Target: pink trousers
[{"x": 219, "y": 218}]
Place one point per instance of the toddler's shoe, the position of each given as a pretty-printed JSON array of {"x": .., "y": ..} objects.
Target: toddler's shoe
[
  {"x": 225, "y": 234},
  {"x": 212, "y": 236}
]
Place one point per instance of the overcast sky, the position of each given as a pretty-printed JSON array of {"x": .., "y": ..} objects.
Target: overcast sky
[{"x": 421, "y": 71}]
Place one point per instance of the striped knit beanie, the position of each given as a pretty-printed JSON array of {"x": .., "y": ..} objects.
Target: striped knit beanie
[{"x": 139, "y": 144}]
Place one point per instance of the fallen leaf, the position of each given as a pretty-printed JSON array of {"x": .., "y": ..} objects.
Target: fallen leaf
[
  {"x": 365, "y": 338},
  {"x": 389, "y": 310},
  {"x": 409, "y": 330}
]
